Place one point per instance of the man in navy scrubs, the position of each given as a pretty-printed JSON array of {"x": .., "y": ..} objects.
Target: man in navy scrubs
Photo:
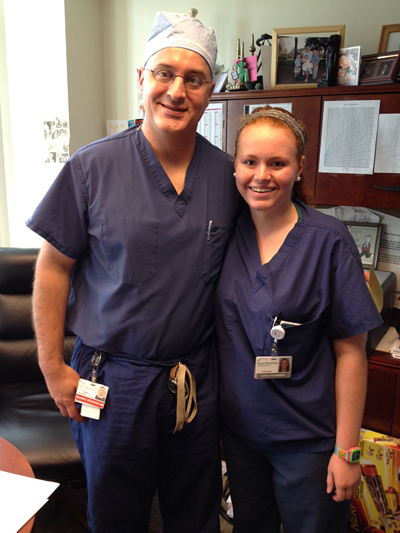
[{"x": 135, "y": 227}]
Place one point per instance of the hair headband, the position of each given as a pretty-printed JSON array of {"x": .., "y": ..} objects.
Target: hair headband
[{"x": 276, "y": 113}]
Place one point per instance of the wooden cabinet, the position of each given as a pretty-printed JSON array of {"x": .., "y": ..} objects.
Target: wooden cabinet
[
  {"x": 382, "y": 408},
  {"x": 307, "y": 105},
  {"x": 362, "y": 190}
]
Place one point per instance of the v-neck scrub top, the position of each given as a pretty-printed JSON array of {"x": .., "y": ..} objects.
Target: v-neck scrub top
[
  {"x": 147, "y": 258},
  {"x": 315, "y": 280}
]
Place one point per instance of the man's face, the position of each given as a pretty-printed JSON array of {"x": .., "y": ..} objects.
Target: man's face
[{"x": 173, "y": 108}]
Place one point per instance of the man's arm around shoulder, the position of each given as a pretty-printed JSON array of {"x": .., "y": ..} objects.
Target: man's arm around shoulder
[{"x": 51, "y": 291}]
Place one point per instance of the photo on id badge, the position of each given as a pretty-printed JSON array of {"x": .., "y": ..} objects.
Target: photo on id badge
[
  {"x": 273, "y": 367},
  {"x": 92, "y": 396}
]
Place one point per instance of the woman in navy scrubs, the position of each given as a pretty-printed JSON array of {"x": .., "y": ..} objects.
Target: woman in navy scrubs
[{"x": 292, "y": 288}]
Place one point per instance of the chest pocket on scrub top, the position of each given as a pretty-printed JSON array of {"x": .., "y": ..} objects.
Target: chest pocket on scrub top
[
  {"x": 216, "y": 239},
  {"x": 131, "y": 248},
  {"x": 300, "y": 341}
]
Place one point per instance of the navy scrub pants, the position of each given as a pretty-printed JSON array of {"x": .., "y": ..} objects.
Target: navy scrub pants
[
  {"x": 132, "y": 451},
  {"x": 273, "y": 488}
]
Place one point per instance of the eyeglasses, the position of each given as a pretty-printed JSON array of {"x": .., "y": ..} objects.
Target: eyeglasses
[{"x": 194, "y": 82}]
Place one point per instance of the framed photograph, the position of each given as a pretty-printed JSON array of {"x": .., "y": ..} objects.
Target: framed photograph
[
  {"x": 390, "y": 38},
  {"x": 349, "y": 66},
  {"x": 305, "y": 56},
  {"x": 367, "y": 237},
  {"x": 379, "y": 68}
]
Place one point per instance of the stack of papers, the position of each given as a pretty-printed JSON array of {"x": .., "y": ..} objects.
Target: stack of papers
[
  {"x": 20, "y": 499},
  {"x": 390, "y": 343}
]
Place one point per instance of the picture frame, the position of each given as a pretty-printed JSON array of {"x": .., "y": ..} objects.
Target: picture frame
[
  {"x": 349, "y": 66},
  {"x": 283, "y": 67},
  {"x": 390, "y": 38},
  {"x": 379, "y": 68},
  {"x": 220, "y": 82},
  {"x": 367, "y": 236}
]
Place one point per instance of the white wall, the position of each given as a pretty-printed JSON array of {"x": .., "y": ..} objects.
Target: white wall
[
  {"x": 127, "y": 24},
  {"x": 85, "y": 70}
]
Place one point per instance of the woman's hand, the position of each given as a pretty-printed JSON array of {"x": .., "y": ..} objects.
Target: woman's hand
[{"x": 343, "y": 478}]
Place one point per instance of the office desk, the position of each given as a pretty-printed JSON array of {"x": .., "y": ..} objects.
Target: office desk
[{"x": 12, "y": 461}]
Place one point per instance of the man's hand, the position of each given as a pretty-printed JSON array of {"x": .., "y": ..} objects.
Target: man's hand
[
  {"x": 62, "y": 384},
  {"x": 342, "y": 476}
]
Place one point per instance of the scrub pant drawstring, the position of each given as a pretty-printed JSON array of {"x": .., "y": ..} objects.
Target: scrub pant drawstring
[{"x": 182, "y": 384}]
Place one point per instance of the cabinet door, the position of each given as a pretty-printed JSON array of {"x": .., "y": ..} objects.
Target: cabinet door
[
  {"x": 306, "y": 109},
  {"x": 379, "y": 406},
  {"x": 361, "y": 189},
  {"x": 212, "y": 124},
  {"x": 396, "y": 412}
]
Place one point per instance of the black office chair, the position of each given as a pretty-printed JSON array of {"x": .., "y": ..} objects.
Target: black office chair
[{"x": 29, "y": 418}]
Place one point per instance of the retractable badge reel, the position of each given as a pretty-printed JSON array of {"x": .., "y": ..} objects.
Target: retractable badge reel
[
  {"x": 277, "y": 333},
  {"x": 96, "y": 358}
]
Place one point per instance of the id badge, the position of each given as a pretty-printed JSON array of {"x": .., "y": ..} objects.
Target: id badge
[
  {"x": 92, "y": 396},
  {"x": 273, "y": 367}
]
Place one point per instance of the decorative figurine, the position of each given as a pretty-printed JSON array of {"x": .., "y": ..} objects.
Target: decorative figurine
[{"x": 242, "y": 74}]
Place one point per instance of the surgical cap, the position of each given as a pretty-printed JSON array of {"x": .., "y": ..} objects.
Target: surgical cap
[{"x": 180, "y": 30}]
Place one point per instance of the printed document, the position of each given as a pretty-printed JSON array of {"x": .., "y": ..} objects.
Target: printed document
[{"x": 348, "y": 140}]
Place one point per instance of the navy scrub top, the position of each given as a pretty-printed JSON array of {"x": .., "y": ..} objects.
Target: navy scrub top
[
  {"x": 147, "y": 258},
  {"x": 316, "y": 280}
]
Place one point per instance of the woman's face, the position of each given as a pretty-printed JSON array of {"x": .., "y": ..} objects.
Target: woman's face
[
  {"x": 284, "y": 365},
  {"x": 266, "y": 166}
]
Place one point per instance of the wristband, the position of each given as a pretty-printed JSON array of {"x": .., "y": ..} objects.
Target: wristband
[{"x": 352, "y": 455}]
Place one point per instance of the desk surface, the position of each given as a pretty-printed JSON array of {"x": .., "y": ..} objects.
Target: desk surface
[{"x": 12, "y": 461}]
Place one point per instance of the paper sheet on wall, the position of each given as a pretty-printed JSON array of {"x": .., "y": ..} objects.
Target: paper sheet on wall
[
  {"x": 387, "y": 157},
  {"x": 116, "y": 126},
  {"x": 21, "y": 497},
  {"x": 211, "y": 124},
  {"x": 56, "y": 139},
  {"x": 351, "y": 214},
  {"x": 348, "y": 140}
]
